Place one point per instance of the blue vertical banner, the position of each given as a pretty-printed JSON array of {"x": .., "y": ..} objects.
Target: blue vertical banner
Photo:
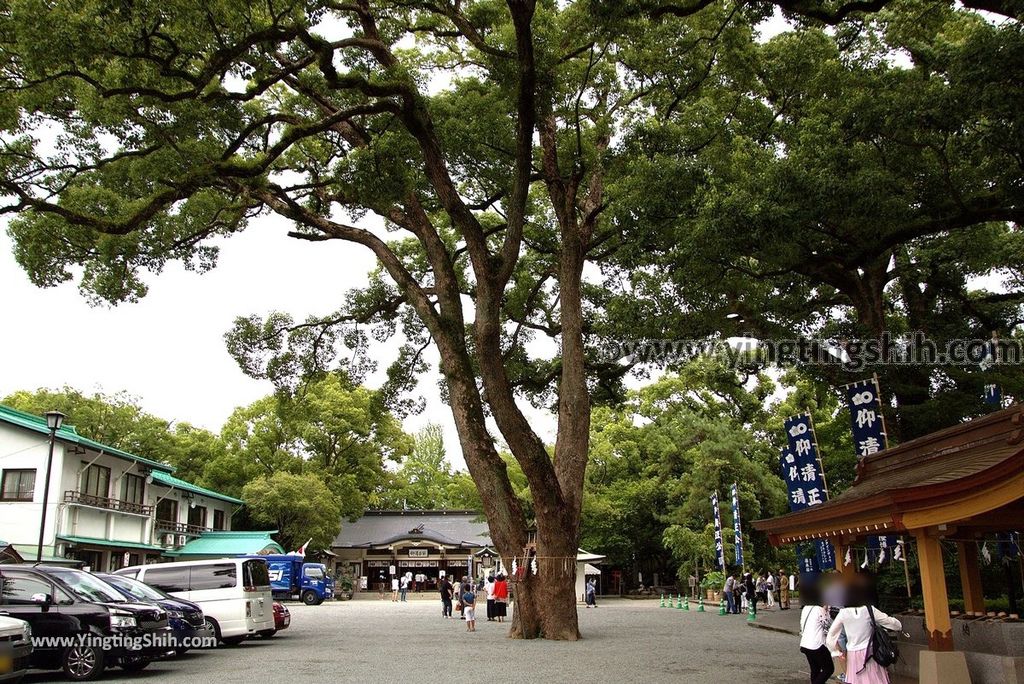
[
  {"x": 807, "y": 560},
  {"x": 737, "y": 531},
  {"x": 719, "y": 545},
  {"x": 993, "y": 395},
  {"x": 864, "y": 401},
  {"x": 805, "y": 478}
]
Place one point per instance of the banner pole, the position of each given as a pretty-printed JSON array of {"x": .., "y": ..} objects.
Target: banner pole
[{"x": 906, "y": 570}]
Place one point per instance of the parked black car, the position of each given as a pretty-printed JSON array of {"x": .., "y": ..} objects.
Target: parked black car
[
  {"x": 186, "y": 620},
  {"x": 81, "y": 624}
]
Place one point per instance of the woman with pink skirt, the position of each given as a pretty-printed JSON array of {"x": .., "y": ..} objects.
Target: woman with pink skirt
[{"x": 856, "y": 622}]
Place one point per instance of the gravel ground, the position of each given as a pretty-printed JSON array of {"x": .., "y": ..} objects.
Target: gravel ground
[{"x": 374, "y": 641}]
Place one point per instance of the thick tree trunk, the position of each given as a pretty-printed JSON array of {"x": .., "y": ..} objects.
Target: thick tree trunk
[{"x": 545, "y": 604}]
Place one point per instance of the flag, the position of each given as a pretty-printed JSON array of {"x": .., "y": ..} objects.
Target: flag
[
  {"x": 302, "y": 549},
  {"x": 993, "y": 395},
  {"x": 738, "y": 533},
  {"x": 719, "y": 545},
  {"x": 863, "y": 399},
  {"x": 805, "y": 478}
]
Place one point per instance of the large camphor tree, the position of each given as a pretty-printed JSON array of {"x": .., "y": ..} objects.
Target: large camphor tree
[{"x": 480, "y": 137}]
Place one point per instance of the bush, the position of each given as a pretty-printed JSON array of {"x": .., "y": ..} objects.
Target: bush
[{"x": 713, "y": 581}]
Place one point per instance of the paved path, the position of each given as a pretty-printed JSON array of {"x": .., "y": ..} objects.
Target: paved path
[{"x": 371, "y": 641}]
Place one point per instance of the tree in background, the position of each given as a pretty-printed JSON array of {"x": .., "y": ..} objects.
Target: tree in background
[
  {"x": 426, "y": 480},
  {"x": 297, "y": 506},
  {"x": 656, "y": 460},
  {"x": 118, "y": 420},
  {"x": 338, "y": 433}
]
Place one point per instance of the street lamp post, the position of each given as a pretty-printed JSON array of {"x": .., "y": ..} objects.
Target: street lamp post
[{"x": 54, "y": 419}]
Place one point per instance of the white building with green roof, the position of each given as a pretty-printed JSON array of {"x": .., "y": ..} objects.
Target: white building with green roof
[{"x": 107, "y": 508}]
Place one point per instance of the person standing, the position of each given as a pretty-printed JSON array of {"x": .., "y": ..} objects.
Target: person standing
[
  {"x": 856, "y": 622},
  {"x": 751, "y": 591},
  {"x": 769, "y": 589},
  {"x": 404, "y": 587},
  {"x": 469, "y": 606},
  {"x": 814, "y": 626},
  {"x": 759, "y": 589},
  {"x": 500, "y": 598},
  {"x": 730, "y": 602},
  {"x": 591, "y": 593},
  {"x": 446, "y": 598},
  {"x": 489, "y": 590},
  {"x": 783, "y": 590},
  {"x": 737, "y": 593},
  {"x": 463, "y": 586}
]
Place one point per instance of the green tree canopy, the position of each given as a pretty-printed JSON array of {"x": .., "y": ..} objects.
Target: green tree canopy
[
  {"x": 298, "y": 506},
  {"x": 118, "y": 420},
  {"x": 426, "y": 479}
]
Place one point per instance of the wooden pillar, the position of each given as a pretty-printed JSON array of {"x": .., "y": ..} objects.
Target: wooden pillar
[
  {"x": 933, "y": 586},
  {"x": 970, "y": 577}
]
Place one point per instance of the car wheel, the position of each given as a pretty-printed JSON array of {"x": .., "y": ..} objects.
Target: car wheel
[
  {"x": 267, "y": 633},
  {"x": 135, "y": 664},
  {"x": 233, "y": 641},
  {"x": 82, "y": 663},
  {"x": 310, "y": 598},
  {"x": 215, "y": 627}
]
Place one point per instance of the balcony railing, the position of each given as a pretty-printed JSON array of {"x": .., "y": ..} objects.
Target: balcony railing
[
  {"x": 180, "y": 528},
  {"x": 82, "y": 499}
]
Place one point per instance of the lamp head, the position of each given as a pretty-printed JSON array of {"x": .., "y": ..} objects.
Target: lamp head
[{"x": 54, "y": 419}]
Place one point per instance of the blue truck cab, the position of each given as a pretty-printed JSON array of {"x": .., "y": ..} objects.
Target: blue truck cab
[{"x": 291, "y": 577}]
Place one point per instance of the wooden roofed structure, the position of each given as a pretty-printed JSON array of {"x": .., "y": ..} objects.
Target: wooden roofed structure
[{"x": 962, "y": 483}]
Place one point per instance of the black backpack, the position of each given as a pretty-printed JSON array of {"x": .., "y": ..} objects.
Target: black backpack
[{"x": 883, "y": 648}]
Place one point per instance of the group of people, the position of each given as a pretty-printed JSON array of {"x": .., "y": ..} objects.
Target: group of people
[
  {"x": 400, "y": 588},
  {"x": 840, "y": 622},
  {"x": 746, "y": 592},
  {"x": 463, "y": 593}
]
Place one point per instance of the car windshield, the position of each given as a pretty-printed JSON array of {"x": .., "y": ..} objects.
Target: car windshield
[
  {"x": 134, "y": 588},
  {"x": 89, "y": 587}
]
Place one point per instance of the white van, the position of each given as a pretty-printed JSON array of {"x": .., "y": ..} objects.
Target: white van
[{"x": 234, "y": 593}]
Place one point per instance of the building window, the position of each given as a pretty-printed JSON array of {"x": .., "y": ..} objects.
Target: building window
[
  {"x": 134, "y": 489},
  {"x": 218, "y": 520},
  {"x": 18, "y": 485},
  {"x": 96, "y": 481},
  {"x": 167, "y": 510},
  {"x": 197, "y": 516}
]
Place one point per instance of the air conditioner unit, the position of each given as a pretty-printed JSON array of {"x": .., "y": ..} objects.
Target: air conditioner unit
[
  {"x": 168, "y": 539},
  {"x": 181, "y": 540}
]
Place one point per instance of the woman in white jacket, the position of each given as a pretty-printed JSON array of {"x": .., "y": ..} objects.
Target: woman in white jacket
[
  {"x": 814, "y": 624},
  {"x": 856, "y": 622}
]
